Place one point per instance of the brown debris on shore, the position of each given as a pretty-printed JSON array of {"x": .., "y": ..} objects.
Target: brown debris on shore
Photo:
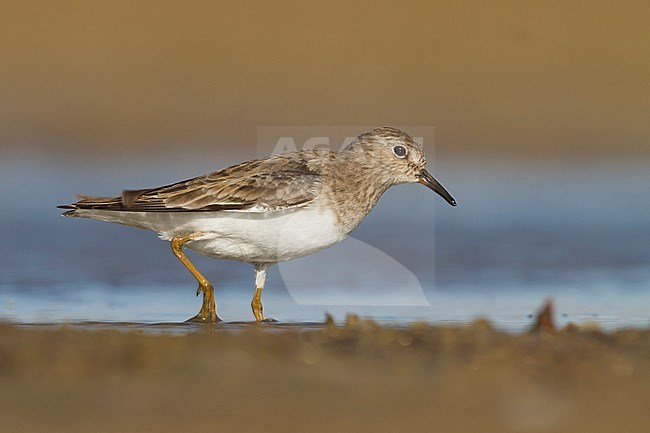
[{"x": 544, "y": 318}]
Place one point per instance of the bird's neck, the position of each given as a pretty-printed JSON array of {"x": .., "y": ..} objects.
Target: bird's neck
[{"x": 352, "y": 204}]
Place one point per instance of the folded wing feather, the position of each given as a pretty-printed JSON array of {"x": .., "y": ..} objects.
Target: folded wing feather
[{"x": 279, "y": 182}]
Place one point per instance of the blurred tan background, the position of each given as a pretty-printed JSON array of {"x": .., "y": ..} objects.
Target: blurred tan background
[{"x": 555, "y": 78}]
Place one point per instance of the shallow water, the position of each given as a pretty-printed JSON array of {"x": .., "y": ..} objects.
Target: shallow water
[{"x": 577, "y": 233}]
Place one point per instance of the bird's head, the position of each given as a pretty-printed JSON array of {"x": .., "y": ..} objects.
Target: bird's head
[{"x": 396, "y": 157}]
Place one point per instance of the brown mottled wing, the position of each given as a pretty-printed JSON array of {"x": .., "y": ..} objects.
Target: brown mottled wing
[
  {"x": 279, "y": 182},
  {"x": 264, "y": 185}
]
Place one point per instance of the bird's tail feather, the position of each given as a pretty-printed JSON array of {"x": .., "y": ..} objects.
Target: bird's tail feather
[{"x": 89, "y": 202}]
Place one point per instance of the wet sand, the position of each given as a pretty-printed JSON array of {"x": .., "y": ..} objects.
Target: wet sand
[{"x": 357, "y": 376}]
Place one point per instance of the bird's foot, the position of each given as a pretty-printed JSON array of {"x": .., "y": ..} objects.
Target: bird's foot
[
  {"x": 203, "y": 318},
  {"x": 258, "y": 309},
  {"x": 208, "y": 312}
]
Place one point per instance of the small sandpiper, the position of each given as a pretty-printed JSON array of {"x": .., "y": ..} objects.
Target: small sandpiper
[{"x": 269, "y": 210}]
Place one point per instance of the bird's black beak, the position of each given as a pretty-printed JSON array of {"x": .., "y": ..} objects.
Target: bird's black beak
[{"x": 426, "y": 179}]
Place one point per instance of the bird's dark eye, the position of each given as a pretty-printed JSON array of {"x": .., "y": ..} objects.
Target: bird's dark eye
[{"x": 399, "y": 151}]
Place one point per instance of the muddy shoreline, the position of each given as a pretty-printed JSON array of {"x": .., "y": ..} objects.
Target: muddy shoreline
[{"x": 357, "y": 376}]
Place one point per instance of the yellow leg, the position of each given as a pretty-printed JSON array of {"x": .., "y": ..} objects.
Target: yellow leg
[
  {"x": 256, "y": 303},
  {"x": 208, "y": 312}
]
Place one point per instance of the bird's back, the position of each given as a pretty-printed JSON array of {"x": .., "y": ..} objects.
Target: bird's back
[{"x": 276, "y": 183}]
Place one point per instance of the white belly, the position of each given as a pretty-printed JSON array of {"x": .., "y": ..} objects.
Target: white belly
[
  {"x": 255, "y": 237},
  {"x": 265, "y": 237}
]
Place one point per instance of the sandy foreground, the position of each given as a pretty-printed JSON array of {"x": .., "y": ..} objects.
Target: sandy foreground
[{"x": 352, "y": 377}]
